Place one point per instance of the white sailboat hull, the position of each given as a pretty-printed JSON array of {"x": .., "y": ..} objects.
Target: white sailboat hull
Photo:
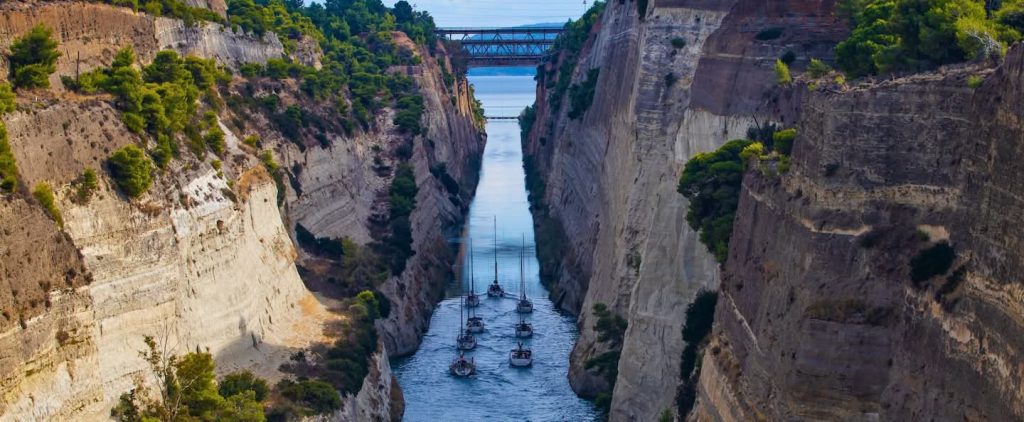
[
  {"x": 462, "y": 368},
  {"x": 472, "y": 301},
  {"x": 475, "y": 328},
  {"x": 520, "y": 362},
  {"x": 524, "y": 307},
  {"x": 466, "y": 343},
  {"x": 492, "y": 292},
  {"x": 524, "y": 333}
]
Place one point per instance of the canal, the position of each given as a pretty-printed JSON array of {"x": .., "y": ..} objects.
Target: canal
[{"x": 498, "y": 392}]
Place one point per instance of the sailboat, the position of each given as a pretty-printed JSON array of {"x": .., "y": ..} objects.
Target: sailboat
[
  {"x": 524, "y": 306},
  {"x": 472, "y": 300},
  {"x": 474, "y": 324},
  {"x": 465, "y": 340},
  {"x": 495, "y": 289},
  {"x": 524, "y": 329},
  {"x": 462, "y": 367},
  {"x": 520, "y": 356}
]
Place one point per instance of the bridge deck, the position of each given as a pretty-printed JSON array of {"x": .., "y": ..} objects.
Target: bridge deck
[{"x": 503, "y": 46}]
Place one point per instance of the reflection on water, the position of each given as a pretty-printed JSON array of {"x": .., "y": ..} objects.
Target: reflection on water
[{"x": 498, "y": 392}]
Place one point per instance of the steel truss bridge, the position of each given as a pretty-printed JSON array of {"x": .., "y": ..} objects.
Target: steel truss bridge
[{"x": 495, "y": 47}]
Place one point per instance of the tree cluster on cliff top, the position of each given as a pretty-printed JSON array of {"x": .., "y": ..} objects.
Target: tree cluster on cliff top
[
  {"x": 33, "y": 58},
  {"x": 712, "y": 182},
  {"x": 914, "y": 35}
]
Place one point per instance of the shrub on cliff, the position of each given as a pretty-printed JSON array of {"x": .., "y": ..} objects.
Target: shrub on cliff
[
  {"x": 782, "y": 76},
  {"x": 8, "y": 166},
  {"x": 323, "y": 246},
  {"x": 409, "y": 113},
  {"x": 711, "y": 181},
  {"x": 132, "y": 170},
  {"x": 312, "y": 397},
  {"x": 610, "y": 328},
  {"x": 700, "y": 315},
  {"x": 817, "y": 69},
  {"x": 33, "y": 58},
  {"x": 7, "y": 97},
  {"x": 85, "y": 186},
  {"x": 241, "y": 381},
  {"x": 581, "y": 96},
  {"x": 44, "y": 194}
]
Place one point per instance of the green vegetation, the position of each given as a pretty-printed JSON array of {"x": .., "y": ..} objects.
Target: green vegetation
[
  {"x": 168, "y": 8},
  {"x": 565, "y": 52},
  {"x": 7, "y": 97},
  {"x": 8, "y": 165},
  {"x": 782, "y": 141},
  {"x": 239, "y": 382},
  {"x": 397, "y": 247},
  {"x": 788, "y": 57},
  {"x": 931, "y": 262},
  {"x": 582, "y": 95},
  {"x": 345, "y": 364},
  {"x": 409, "y": 112},
  {"x": 611, "y": 329},
  {"x": 85, "y": 186},
  {"x": 440, "y": 171},
  {"x": 666, "y": 416},
  {"x": 33, "y": 58},
  {"x": 700, "y": 315},
  {"x": 188, "y": 391},
  {"x": 326, "y": 247},
  {"x": 526, "y": 120},
  {"x": 711, "y": 181},
  {"x": 132, "y": 170},
  {"x": 356, "y": 41},
  {"x": 678, "y": 43},
  {"x": 975, "y": 81},
  {"x": 267, "y": 158},
  {"x": 782, "y": 76},
  {"x": 44, "y": 194},
  {"x": 303, "y": 399},
  {"x": 641, "y": 8},
  {"x": 162, "y": 100},
  {"x": 914, "y": 35},
  {"x": 817, "y": 69}
]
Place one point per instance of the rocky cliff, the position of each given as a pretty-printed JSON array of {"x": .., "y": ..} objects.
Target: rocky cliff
[
  {"x": 823, "y": 312},
  {"x": 872, "y": 281},
  {"x": 206, "y": 259},
  {"x": 675, "y": 79}
]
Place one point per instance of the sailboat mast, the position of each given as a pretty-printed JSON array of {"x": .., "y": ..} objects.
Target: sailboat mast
[
  {"x": 495, "y": 249},
  {"x": 472, "y": 278},
  {"x": 522, "y": 279}
]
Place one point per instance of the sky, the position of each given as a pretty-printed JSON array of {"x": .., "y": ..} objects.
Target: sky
[{"x": 500, "y": 13}]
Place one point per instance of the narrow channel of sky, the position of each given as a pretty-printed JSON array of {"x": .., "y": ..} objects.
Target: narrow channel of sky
[{"x": 500, "y": 13}]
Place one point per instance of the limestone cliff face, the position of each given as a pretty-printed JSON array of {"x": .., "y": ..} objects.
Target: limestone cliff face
[
  {"x": 610, "y": 177},
  {"x": 90, "y": 35},
  {"x": 206, "y": 259},
  {"x": 819, "y": 317}
]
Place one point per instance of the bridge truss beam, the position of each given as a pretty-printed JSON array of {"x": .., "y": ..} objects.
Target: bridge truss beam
[{"x": 503, "y": 46}]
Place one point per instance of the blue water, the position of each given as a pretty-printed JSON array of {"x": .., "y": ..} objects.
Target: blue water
[{"x": 498, "y": 392}]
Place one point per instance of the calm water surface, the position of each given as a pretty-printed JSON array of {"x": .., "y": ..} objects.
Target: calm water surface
[{"x": 498, "y": 392}]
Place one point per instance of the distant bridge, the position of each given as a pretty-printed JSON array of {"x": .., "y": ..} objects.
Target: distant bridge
[{"x": 493, "y": 47}]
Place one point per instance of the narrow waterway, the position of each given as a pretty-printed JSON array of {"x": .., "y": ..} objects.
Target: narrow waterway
[{"x": 498, "y": 392}]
